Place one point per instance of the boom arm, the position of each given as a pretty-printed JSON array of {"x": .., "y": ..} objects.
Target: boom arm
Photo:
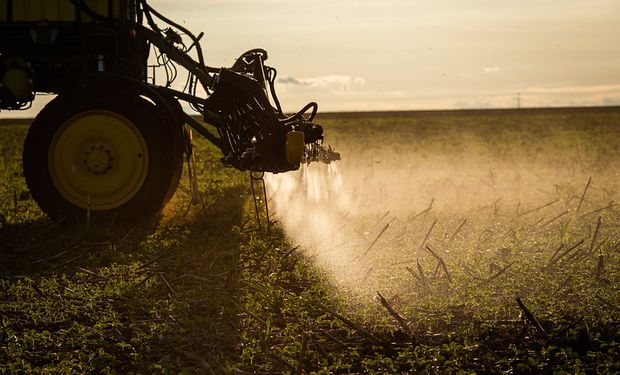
[{"x": 252, "y": 134}]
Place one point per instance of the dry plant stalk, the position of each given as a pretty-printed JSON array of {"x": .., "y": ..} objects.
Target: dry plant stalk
[
  {"x": 420, "y": 279},
  {"x": 471, "y": 273},
  {"x": 351, "y": 324},
  {"x": 376, "y": 239},
  {"x": 101, "y": 277},
  {"x": 598, "y": 226},
  {"x": 457, "y": 230},
  {"x": 556, "y": 217},
  {"x": 70, "y": 260},
  {"x": 498, "y": 273},
  {"x": 555, "y": 260},
  {"x": 428, "y": 234},
  {"x": 532, "y": 319},
  {"x": 583, "y": 195},
  {"x": 441, "y": 262},
  {"x": 384, "y": 216},
  {"x": 554, "y": 255},
  {"x": 610, "y": 205},
  {"x": 600, "y": 267},
  {"x": 166, "y": 282},
  {"x": 430, "y": 206},
  {"x": 394, "y": 314},
  {"x": 52, "y": 257},
  {"x": 421, "y": 271},
  {"x": 539, "y": 207}
]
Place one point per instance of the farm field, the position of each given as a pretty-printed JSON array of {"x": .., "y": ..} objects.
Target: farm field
[{"x": 443, "y": 242}]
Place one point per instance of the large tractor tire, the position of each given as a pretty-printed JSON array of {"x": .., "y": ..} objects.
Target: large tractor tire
[{"x": 105, "y": 155}]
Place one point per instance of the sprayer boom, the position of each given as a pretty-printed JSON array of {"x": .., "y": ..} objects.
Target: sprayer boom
[
  {"x": 256, "y": 135},
  {"x": 253, "y": 131}
]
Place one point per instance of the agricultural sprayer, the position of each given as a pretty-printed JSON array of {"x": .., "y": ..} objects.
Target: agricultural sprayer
[{"x": 114, "y": 140}]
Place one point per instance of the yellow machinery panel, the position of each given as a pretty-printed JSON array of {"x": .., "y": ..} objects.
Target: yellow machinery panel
[
  {"x": 54, "y": 10},
  {"x": 3, "y": 10}
]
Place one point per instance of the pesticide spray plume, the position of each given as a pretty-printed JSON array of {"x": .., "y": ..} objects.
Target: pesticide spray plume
[{"x": 369, "y": 216}]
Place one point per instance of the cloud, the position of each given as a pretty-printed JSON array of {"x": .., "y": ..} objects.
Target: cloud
[
  {"x": 332, "y": 82},
  {"x": 492, "y": 69},
  {"x": 289, "y": 80}
]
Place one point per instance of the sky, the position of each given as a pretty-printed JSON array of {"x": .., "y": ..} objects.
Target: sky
[{"x": 362, "y": 55}]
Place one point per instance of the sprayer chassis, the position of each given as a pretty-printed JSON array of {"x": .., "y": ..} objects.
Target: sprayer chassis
[{"x": 112, "y": 143}]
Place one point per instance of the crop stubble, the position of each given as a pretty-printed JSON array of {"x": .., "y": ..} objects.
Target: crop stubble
[
  {"x": 448, "y": 221},
  {"x": 495, "y": 228}
]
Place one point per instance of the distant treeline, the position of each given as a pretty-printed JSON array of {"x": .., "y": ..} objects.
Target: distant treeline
[
  {"x": 490, "y": 111},
  {"x": 25, "y": 121}
]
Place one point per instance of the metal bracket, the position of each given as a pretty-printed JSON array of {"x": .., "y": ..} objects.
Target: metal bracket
[
  {"x": 191, "y": 169},
  {"x": 259, "y": 176}
]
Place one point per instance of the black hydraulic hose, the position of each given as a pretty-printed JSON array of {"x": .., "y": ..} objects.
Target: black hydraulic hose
[
  {"x": 149, "y": 18},
  {"x": 195, "y": 40},
  {"x": 200, "y": 71},
  {"x": 241, "y": 65},
  {"x": 271, "y": 76},
  {"x": 298, "y": 115}
]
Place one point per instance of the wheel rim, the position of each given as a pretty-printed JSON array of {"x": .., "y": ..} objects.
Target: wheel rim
[{"x": 98, "y": 160}]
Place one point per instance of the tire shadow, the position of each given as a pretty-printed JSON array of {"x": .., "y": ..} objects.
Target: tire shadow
[{"x": 160, "y": 295}]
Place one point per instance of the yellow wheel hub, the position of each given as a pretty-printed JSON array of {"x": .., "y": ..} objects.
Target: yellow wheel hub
[{"x": 98, "y": 160}]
